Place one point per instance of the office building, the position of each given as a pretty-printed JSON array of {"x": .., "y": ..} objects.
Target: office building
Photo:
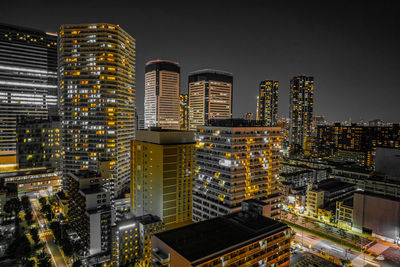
[
  {"x": 235, "y": 160},
  {"x": 184, "y": 112},
  {"x": 148, "y": 226},
  {"x": 125, "y": 242},
  {"x": 89, "y": 210},
  {"x": 28, "y": 78},
  {"x": 301, "y": 111},
  {"x": 267, "y": 102},
  {"x": 161, "y": 100},
  {"x": 162, "y": 175},
  {"x": 39, "y": 142},
  {"x": 132, "y": 239},
  {"x": 241, "y": 238},
  {"x": 33, "y": 179},
  {"x": 210, "y": 97},
  {"x": 97, "y": 90}
]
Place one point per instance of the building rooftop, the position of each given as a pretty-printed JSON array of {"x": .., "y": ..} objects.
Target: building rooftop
[
  {"x": 367, "y": 193},
  {"x": 349, "y": 202},
  {"x": 148, "y": 219},
  {"x": 332, "y": 185},
  {"x": 196, "y": 242},
  {"x": 165, "y": 137},
  {"x": 210, "y": 71}
]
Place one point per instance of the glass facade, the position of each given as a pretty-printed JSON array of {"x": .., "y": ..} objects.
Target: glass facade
[{"x": 28, "y": 78}]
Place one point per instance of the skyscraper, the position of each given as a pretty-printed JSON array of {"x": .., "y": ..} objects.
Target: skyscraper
[
  {"x": 301, "y": 110},
  {"x": 28, "y": 78},
  {"x": 210, "y": 96},
  {"x": 184, "y": 112},
  {"x": 97, "y": 89},
  {"x": 235, "y": 160},
  {"x": 161, "y": 101},
  {"x": 267, "y": 103}
]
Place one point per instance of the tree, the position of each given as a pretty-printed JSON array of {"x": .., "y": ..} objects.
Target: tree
[
  {"x": 56, "y": 228},
  {"x": 13, "y": 205},
  {"x": 42, "y": 201},
  {"x": 44, "y": 260},
  {"x": 35, "y": 235},
  {"x": 29, "y": 263},
  {"x": 26, "y": 204},
  {"x": 20, "y": 247},
  {"x": 28, "y": 218},
  {"x": 49, "y": 216},
  {"x": 46, "y": 209},
  {"x": 67, "y": 247},
  {"x": 77, "y": 263}
]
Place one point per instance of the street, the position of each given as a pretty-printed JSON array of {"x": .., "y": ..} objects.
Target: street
[
  {"x": 46, "y": 235},
  {"x": 322, "y": 246}
]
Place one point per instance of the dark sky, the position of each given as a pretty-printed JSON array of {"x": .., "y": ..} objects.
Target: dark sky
[{"x": 351, "y": 48}]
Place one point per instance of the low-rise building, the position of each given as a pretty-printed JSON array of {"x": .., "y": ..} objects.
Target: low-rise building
[
  {"x": 33, "y": 180},
  {"x": 368, "y": 181},
  {"x": 244, "y": 237},
  {"x": 325, "y": 194},
  {"x": 344, "y": 213}
]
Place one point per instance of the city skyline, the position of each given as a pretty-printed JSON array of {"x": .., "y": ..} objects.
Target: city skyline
[{"x": 342, "y": 47}]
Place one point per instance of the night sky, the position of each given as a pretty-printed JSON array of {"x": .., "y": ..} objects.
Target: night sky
[{"x": 351, "y": 48}]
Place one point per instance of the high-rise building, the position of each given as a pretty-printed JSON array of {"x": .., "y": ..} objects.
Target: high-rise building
[
  {"x": 97, "y": 90},
  {"x": 161, "y": 100},
  {"x": 184, "y": 112},
  {"x": 301, "y": 110},
  {"x": 210, "y": 96},
  {"x": 39, "y": 142},
  {"x": 267, "y": 102},
  {"x": 90, "y": 210},
  {"x": 235, "y": 160},
  {"x": 244, "y": 238},
  {"x": 162, "y": 175},
  {"x": 139, "y": 122},
  {"x": 28, "y": 78}
]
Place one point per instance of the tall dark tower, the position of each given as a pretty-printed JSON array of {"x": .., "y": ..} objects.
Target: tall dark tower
[
  {"x": 301, "y": 110},
  {"x": 267, "y": 102}
]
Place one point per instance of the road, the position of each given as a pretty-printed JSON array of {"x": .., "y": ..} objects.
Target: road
[
  {"x": 321, "y": 245},
  {"x": 47, "y": 236}
]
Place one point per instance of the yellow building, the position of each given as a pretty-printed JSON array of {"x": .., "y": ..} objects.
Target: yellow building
[
  {"x": 344, "y": 213},
  {"x": 314, "y": 201},
  {"x": 162, "y": 175}
]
